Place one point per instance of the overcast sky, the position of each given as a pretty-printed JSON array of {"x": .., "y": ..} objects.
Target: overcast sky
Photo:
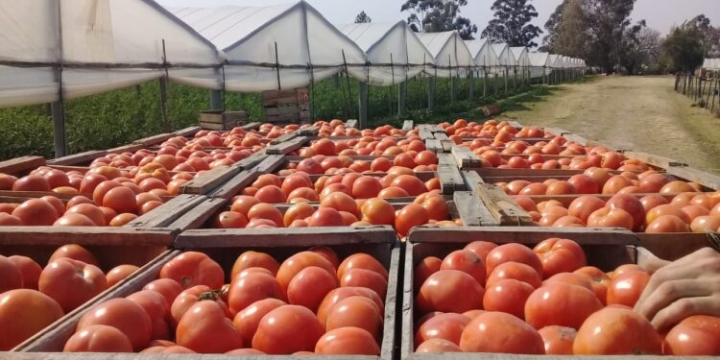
[{"x": 659, "y": 14}]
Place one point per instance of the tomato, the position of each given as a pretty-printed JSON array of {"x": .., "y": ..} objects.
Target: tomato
[
  {"x": 347, "y": 341},
  {"x": 466, "y": 261},
  {"x": 119, "y": 273},
  {"x": 93, "y": 212},
  {"x": 31, "y": 183},
  {"x": 205, "y": 328},
  {"x": 194, "y": 268},
  {"x": 26, "y": 312},
  {"x": 496, "y": 332},
  {"x": 560, "y": 304},
  {"x": 168, "y": 288},
  {"x": 10, "y": 276},
  {"x": 251, "y": 288},
  {"x": 357, "y": 311},
  {"x": 365, "y": 278},
  {"x": 341, "y": 293},
  {"x": 295, "y": 263},
  {"x": 437, "y": 346},
  {"x": 29, "y": 271},
  {"x": 99, "y": 338},
  {"x": 36, "y": 212},
  {"x": 513, "y": 253},
  {"x": 124, "y": 315},
  {"x": 56, "y": 203},
  {"x": 242, "y": 204},
  {"x": 410, "y": 216},
  {"x": 267, "y": 212},
  {"x": 449, "y": 291},
  {"x": 286, "y": 330},
  {"x": 326, "y": 217},
  {"x": 157, "y": 308},
  {"x": 75, "y": 252},
  {"x": 631, "y": 205},
  {"x": 230, "y": 220},
  {"x": 626, "y": 288},
  {"x": 361, "y": 261},
  {"x": 71, "y": 282},
  {"x": 297, "y": 211},
  {"x": 424, "y": 269},
  {"x": 122, "y": 219},
  {"x": 481, "y": 249},
  {"x": 310, "y": 286},
  {"x": 617, "y": 330},
  {"x": 250, "y": 259},
  {"x": 560, "y": 255},
  {"x": 447, "y": 327},
  {"x": 696, "y": 335},
  {"x": 328, "y": 254},
  {"x": 378, "y": 212},
  {"x": 189, "y": 297},
  {"x": 247, "y": 320},
  {"x": 508, "y": 296},
  {"x": 517, "y": 271},
  {"x": 558, "y": 339},
  {"x": 366, "y": 187}
]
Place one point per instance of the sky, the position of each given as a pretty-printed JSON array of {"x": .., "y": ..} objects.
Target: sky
[{"x": 660, "y": 15}]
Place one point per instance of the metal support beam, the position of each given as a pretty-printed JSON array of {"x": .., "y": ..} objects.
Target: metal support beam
[
  {"x": 58, "y": 115},
  {"x": 402, "y": 97},
  {"x": 431, "y": 93},
  {"x": 471, "y": 85},
  {"x": 216, "y": 102},
  {"x": 363, "y": 89}
]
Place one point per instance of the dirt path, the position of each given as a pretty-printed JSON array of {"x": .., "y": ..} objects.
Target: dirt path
[{"x": 638, "y": 113}]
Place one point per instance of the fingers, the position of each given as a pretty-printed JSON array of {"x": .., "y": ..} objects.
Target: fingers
[
  {"x": 683, "y": 308},
  {"x": 649, "y": 261},
  {"x": 665, "y": 275},
  {"x": 668, "y": 293}
]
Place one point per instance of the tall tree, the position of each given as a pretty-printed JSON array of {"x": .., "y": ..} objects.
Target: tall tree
[
  {"x": 607, "y": 23},
  {"x": 362, "y": 18},
  {"x": 439, "y": 15},
  {"x": 552, "y": 27},
  {"x": 512, "y": 23},
  {"x": 683, "y": 48},
  {"x": 710, "y": 35},
  {"x": 641, "y": 48},
  {"x": 570, "y": 35}
]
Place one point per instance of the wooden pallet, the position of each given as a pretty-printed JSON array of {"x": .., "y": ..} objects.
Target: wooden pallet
[
  {"x": 465, "y": 158},
  {"x": 21, "y": 165}
]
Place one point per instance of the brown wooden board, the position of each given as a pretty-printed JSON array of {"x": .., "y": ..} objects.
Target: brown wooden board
[
  {"x": 21, "y": 164},
  {"x": 287, "y": 147},
  {"x": 153, "y": 140},
  {"x": 188, "y": 131},
  {"x": 654, "y": 160},
  {"x": 450, "y": 179},
  {"x": 233, "y": 186},
  {"x": 472, "y": 180},
  {"x": 465, "y": 158},
  {"x": 703, "y": 178},
  {"x": 309, "y": 131},
  {"x": 425, "y": 132},
  {"x": 471, "y": 211},
  {"x": 675, "y": 246},
  {"x": 209, "y": 180},
  {"x": 126, "y": 148},
  {"x": 250, "y": 161},
  {"x": 441, "y": 241},
  {"x": 199, "y": 215},
  {"x": 434, "y": 145},
  {"x": 502, "y": 206},
  {"x": 214, "y": 126},
  {"x": 285, "y": 137},
  {"x": 251, "y": 126},
  {"x": 167, "y": 213},
  {"x": 78, "y": 159},
  {"x": 441, "y": 136},
  {"x": 271, "y": 163}
]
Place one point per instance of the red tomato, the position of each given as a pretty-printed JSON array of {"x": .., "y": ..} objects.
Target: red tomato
[
  {"x": 295, "y": 263},
  {"x": 247, "y": 320},
  {"x": 123, "y": 314},
  {"x": 189, "y": 297},
  {"x": 29, "y": 270},
  {"x": 365, "y": 278},
  {"x": 251, "y": 288},
  {"x": 157, "y": 308},
  {"x": 481, "y": 249},
  {"x": 424, "y": 269},
  {"x": 119, "y": 273},
  {"x": 168, "y": 288},
  {"x": 467, "y": 262},
  {"x": 99, "y": 338},
  {"x": 26, "y": 312},
  {"x": 560, "y": 255},
  {"x": 694, "y": 336},
  {"x": 437, "y": 346},
  {"x": 337, "y": 295},
  {"x": 626, "y": 288},
  {"x": 508, "y": 296},
  {"x": 558, "y": 339},
  {"x": 205, "y": 328},
  {"x": 361, "y": 261},
  {"x": 75, "y": 252},
  {"x": 515, "y": 253},
  {"x": 560, "y": 304},
  {"x": 517, "y": 271},
  {"x": 356, "y": 311},
  {"x": 71, "y": 283},
  {"x": 496, "y": 332},
  {"x": 250, "y": 259},
  {"x": 617, "y": 330},
  {"x": 10, "y": 276},
  {"x": 447, "y": 327},
  {"x": 347, "y": 341},
  {"x": 449, "y": 291},
  {"x": 309, "y": 287},
  {"x": 194, "y": 268},
  {"x": 286, "y": 330}
]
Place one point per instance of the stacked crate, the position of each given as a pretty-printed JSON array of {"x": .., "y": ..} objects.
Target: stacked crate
[{"x": 286, "y": 106}]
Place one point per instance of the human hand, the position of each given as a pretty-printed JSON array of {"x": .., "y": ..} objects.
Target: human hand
[{"x": 688, "y": 286}]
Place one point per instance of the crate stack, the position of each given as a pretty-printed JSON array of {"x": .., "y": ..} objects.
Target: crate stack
[
  {"x": 447, "y": 165},
  {"x": 286, "y": 106}
]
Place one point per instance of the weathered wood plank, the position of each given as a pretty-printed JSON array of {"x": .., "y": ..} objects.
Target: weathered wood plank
[
  {"x": 434, "y": 146},
  {"x": 78, "y": 159},
  {"x": 188, "y": 131},
  {"x": 309, "y": 131},
  {"x": 465, "y": 158},
  {"x": 209, "y": 180},
  {"x": 287, "y": 147},
  {"x": 21, "y": 164},
  {"x": 283, "y": 138},
  {"x": 84, "y": 235},
  {"x": 251, "y": 126},
  {"x": 472, "y": 180},
  {"x": 233, "y": 186},
  {"x": 271, "y": 163},
  {"x": 654, "y": 160},
  {"x": 425, "y": 132},
  {"x": 447, "y": 145},
  {"x": 674, "y": 246},
  {"x": 126, "y": 148},
  {"x": 168, "y": 212},
  {"x": 408, "y": 125},
  {"x": 352, "y": 123},
  {"x": 703, "y": 178},
  {"x": 503, "y": 208},
  {"x": 199, "y": 215},
  {"x": 473, "y": 212},
  {"x": 153, "y": 140},
  {"x": 250, "y": 161},
  {"x": 441, "y": 135}
]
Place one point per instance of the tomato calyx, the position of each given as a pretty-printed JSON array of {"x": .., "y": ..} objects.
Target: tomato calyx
[{"x": 213, "y": 295}]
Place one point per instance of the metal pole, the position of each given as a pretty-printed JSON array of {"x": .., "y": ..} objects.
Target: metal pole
[
  {"x": 57, "y": 108},
  {"x": 485, "y": 80},
  {"x": 506, "y": 79},
  {"x": 277, "y": 67},
  {"x": 363, "y": 98},
  {"x": 163, "y": 92}
]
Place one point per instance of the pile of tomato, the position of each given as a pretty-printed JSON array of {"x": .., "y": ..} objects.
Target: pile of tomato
[{"x": 545, "y": 300}]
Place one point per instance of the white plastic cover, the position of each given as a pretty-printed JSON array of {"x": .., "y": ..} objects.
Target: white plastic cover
[
  {"x": 102, "y": 45},
  {"x": 521, "y": 56},
  {"x": 450, "y": 53},
  {"x": 286, "y": 40},
  {"x": 389, "y": 44},
  {"x": 483, "y": 53},
  {"x": 539, "y": 64}
]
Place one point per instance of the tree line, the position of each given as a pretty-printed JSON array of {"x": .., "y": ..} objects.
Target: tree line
[{"x": 601, "y": 32}]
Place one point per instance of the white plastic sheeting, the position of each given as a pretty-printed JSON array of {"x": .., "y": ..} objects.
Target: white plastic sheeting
[
  {"x": 449, "y": 51},
  {"x": 99, "y": 44},
  {"x": 393, "y": 50},
  {"x": 505, "y": 58},
  {"x": 275, "y": 47},
  {"x": 483, "y": 53},
  {"x": 521, "y": 56},
  {"x": 539, "y": 64}
]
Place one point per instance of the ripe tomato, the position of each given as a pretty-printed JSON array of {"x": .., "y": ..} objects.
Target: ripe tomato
[
  {"x": 251, "y": 288},
  {"x": 295, "y": 263},
  {"x": 205, "y": 328},
  {"x": 309, "y": 287},
  {"x": 560, "y": 304},
  {"x": 93, "y": 212},
  {"x": 558, "y": 339},
  {"x": 481, "y": 249},
  {"x": 617, "y": 330},
  {"x": 447, "y": 326},
  {"x": 119, "y": 273},
  {"x": 124, "y": 315},
  {"x": 508, "y": 296},
  {"x": 424, "y": 269},
  {"x": 168, "y": 288},
  {"x": 71, "y": 282},
  {"x": 189, "y": 297},
  {"x": 242, "y": 204},
  {"x": 378, "y": 212},
  {"x": 347, "y": 341},
  {"x": 410, "y": 216},
  {"x": 357, "y": 311},
  {"x": 99, "y": 338},
  {"x": 449, "y": 291},
  {"x": 626, "y": 288},
  {"x": 286, "y": 330},
  {"x": 247, "y": 320},
  {"x": 250, "y": 259},
  {"x": 361, "y": 261},
  {"x": 437, "y": 346},
  {"x": 365, "y": 278},
  {"x": 496, "y": 332},
  {"x": 517, "y": 271},
  {"x": 560, "y": 255},
  {"x": 694, "y": 336},
  {"x": 194, "y": 268},
  {"x": 10, "y": 276},
  {"x": 157, "y": 308},
  {"x": 513, "y": 253},
  {"x": 122, "y": 219},
  {"x": 467, "y": 262},
  {"x": 328, "y": 254},
  {"x": 36, "y": 212},
  {"x": 230, "y": 220},
  {"x": 29, "y": 270},
  {"x": 267, "y": 212},
  {"x": 337, "y": 295},
  {"x": 26, "y": 312}
]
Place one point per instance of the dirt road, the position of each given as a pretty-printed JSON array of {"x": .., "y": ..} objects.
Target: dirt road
[{"x": 637, "y": 113}]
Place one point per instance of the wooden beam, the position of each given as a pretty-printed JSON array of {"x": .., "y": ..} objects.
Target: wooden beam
[
  {"x": 21, "y": 164},
  {"x": 408, "y": 125},
  {"x": 465, "y": 158},
  {"x": 503, "y": 208},
  {"x": 209, "y": 180},
  {"x": 352, "y": 123},
  {"x": 78, "y": 159},
  {"x": 473, "y": 212},
  {"x": 287, "y": 147}
]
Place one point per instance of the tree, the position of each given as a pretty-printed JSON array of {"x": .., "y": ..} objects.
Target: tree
[
  {"x": 552, "y": 27},
  {"x": 438, "y": 16},
  {"x": 512, "y": 23},
  {"x": 570, "y": 34},
  {"x": 710, "y": 35},
  {"x": 641, "y": 48},
  {"x": 683, "y": 48},
  {"x": 362, "y": 18},
  {"x": 607, "y": 25}
]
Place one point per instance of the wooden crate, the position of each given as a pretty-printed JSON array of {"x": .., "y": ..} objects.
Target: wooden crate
[
  {"x": 225, "y": 246},
  {"x": 605, "y": 249},
  {"x": 287, "y": 106},
  {"x": 221, "y": 120},
  {"x": 21, "y": 164}
]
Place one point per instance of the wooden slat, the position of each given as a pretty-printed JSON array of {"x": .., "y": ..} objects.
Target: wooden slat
[
  {"x": 449, "y": 175},
  {"x": 473, "y": 212},
  {"x": 21, "y": 164},
  {"x": 84, "y": 235},
  {"x": 251, "y": 126},
  {"x": 522, "y": 235},
  {"x": 27, "y": 195},
  {"x": 126, "y": 148},
  {"x": 233, "y": 186},
  {"x": 654, "y": 160},
  {"x": 434, "y": 146},
  {"x": 352, "y": 123},
  {"x": 196, "y": 217},
  {"x": 78, "y": 159},
  {"x": 674, "y": 246},
  {"x": 425, "y": 132},
  {"x": 208, "y": 238},
  {"x": 168, "y": 212},
  {"x": 706, "y": 179},
  {"x": 408, "y": 125},
  {"x": 285, "y": 137},
  {"x": 503, "y": 208},
  {"x": 465, "y": 158},
  {"x": 271, "y": 163},
  {"x": 447, "y": 145},
  {"x": 250, "y": 161},
  {"x": 153, "y": 140},
  {"x": 188, "y": 131},
  {"x": 209, "y": 180},
  {"x": 288, "y": 146},
  {"x": 309, "y": 131},
  {"x": 441, "y": 135},
  {"x": 472, "y": 180}
]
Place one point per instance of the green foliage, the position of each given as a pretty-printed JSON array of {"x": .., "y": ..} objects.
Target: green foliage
[
  {"x": 438, "y": 16},
  {"x": 683, "y": 49},
  {"x": 513, "y": 23}
]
